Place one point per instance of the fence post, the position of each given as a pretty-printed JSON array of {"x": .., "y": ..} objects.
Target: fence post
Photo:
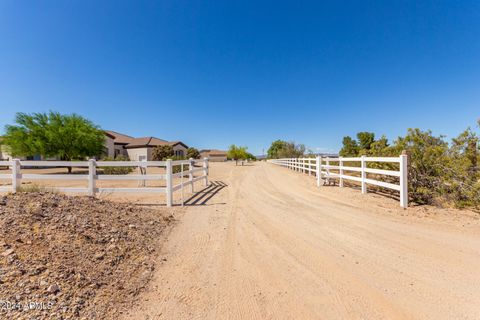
[
  {"x": 16, "y": 181},
  {"x": 190, "y": 174},
  {"x": 205, "y": 171},
  {"x": 168, "y": 177},
  {"x": 303, "y": 165},
  {"x": 328, "y": 169},
  {"x": 340, "y": 164},
  {"x": 404, "y": 180},
  {"x": 92, "y": 175},
  {"x": 318, "y": 167},
  {"x": 309, "y": 166},
  {"x": 364, "y": 175},
  {"x": 142, "y": 169}
]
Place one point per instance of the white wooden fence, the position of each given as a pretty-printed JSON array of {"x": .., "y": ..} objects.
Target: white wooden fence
[
  {"x": 322, "y": 167},
  {"x": 91, "y": 177}
]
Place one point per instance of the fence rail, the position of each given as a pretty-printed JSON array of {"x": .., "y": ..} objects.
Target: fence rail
[
  {"x": 187, "y": 169},
  {"x": 321, "y": 168}
]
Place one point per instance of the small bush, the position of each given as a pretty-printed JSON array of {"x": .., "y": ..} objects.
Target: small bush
[
  {"x": 193, "y": 153},
  {"x": 117, "y": 170},
  {"x": 178, "y": 168},
  {"x": 160, "y": 153},
  {"x": 439, "y": 172},
  {"x": 31, "y": 188}
]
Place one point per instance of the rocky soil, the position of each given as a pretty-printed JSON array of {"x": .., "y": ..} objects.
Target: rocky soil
[{"x": 65, "y": 257}]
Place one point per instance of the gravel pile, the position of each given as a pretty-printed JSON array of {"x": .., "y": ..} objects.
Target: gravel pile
[{"x": 65, "y": 257}]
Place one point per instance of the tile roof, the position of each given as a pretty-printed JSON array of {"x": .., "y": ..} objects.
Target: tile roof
[
  {"x": 146, "y": 142},
  {"x": 119, "y": 137},
  {"x": 131, "y": 142}
]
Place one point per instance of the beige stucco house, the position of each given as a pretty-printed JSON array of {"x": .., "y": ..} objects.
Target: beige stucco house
[
  {"x": 214, "y": 155},
  {"x": 120, "y": 144},
  {"x": 4, "y": 153},
  {"x": 138, "y": 148}
]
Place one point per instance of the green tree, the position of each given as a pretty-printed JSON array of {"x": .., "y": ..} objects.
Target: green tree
[
  {"x": 251, "y": 156},
  {"x": 193, "y": 153},
  {"x": 381, "y": 147},
  {"x": 349, "y": 148},
  {"x": 282, "y": 149},
  {"x": 365, "y": 140},
  {"x": 237, "y": 153},
  {"x": 161, "y": 153},
  {"x": 68, "y": 137},
  {"x": 291, "y": 150},
  {"x": 275, "y": 148}
]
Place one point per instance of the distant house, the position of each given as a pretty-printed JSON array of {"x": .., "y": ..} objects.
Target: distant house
[
  {"x": 214, "y": 155},
  {"x": 4, "y": 151},
  {"x": 138, "y": 148},
  {"x": 6, "y": 155}
]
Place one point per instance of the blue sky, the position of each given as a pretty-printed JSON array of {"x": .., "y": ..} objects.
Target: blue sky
[{"x": 213, "y": 73}]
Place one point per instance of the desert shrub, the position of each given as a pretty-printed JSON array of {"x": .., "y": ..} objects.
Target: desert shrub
[
  {"x": 439, "y": 172},
  {"x": 178, "y": 168},
  {"x": 34, "y": 188},
  {"x": 161, "y": 153},
  {"x": 117, "y": 170},
  {"x": 193, "y": 153}
]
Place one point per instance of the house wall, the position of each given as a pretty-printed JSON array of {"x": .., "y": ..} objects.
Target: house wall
[
  {"x": 4, "y": 154},
  {"x": 109, "y": 147},
  {"x": 120, "y": 150},
  {"x": 180, "y": 150},
  {"x": 134, "y": 154}
]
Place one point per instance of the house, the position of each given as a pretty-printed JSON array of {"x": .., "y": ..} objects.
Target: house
[
  {"x": 118, "y": 144},
  {"x": 4, "y": 152},
  {"x": 6, "y": 155},
  {"x": 138, "y": 148},
  {"x": 214, "y": 155}
]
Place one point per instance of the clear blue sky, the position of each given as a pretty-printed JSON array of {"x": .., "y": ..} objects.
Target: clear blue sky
[{"x": 212, "y": 73}]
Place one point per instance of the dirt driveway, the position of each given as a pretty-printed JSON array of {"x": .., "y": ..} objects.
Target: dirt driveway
[{"x": 265, "y": 243}]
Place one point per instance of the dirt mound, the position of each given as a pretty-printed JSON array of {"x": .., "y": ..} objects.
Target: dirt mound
[{"x": 67, "y": 257}]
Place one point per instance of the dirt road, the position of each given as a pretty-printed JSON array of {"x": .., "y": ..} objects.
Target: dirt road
[{"x": 265, "y": 243}]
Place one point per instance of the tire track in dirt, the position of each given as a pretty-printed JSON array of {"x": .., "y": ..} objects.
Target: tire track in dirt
[{"x": 271, "y": 246}]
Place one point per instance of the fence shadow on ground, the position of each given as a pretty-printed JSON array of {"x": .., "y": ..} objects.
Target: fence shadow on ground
[
  {"x": 202, "y": 197},
  {"x": 371, "y": 189},
  {"x": 199, "y": 198}
]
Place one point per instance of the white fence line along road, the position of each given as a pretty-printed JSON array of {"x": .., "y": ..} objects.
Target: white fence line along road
[
  {"x": 91, "y": 177},
  {"x": 321, "y": 167}
]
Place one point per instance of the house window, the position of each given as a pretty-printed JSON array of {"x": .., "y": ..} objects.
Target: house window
[{"x": 179, "y": 153}]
